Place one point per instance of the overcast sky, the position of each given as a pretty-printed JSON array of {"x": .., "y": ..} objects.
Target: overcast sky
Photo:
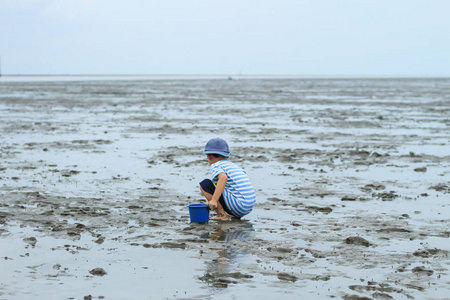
[{"x": 284, "y": 37}]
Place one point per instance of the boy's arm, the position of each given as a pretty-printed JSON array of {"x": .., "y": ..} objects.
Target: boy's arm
[{"x": 223, "y": 178}]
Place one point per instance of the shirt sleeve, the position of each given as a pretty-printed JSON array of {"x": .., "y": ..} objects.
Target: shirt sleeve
[{"x": 216, "y": 170}]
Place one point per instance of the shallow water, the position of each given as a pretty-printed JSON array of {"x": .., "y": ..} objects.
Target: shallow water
[{"x": 351, "y": 175}]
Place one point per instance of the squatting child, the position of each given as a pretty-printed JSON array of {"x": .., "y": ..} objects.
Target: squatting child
[{"x": 229, "y": 192}]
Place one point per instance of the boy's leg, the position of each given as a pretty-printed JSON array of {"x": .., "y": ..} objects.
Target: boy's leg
[
  {"x": 207, "y": 195},
  {"x": 208, "y": 188}
]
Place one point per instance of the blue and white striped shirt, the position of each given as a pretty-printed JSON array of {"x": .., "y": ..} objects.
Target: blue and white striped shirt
[{"x": 238, "y": 194}]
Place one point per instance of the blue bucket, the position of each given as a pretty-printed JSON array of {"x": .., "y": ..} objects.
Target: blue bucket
[{"x": 199, "y": 213}]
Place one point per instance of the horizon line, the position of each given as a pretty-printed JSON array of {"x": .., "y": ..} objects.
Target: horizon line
[{"x": 235, "y": 75}]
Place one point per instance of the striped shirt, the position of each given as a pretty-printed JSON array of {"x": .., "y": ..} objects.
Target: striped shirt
[{"x": 238, "y": 194}]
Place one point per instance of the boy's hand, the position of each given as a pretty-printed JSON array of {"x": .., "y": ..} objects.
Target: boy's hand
[{"x": 213, "y": 204}]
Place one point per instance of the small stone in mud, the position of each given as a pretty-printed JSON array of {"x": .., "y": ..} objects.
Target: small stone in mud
[
  {"x": 98, "y": 272},
  {"x": 422, "y": 270},
  {"x": 356, "y": 240},
  {"x": 423, "y": 169}
]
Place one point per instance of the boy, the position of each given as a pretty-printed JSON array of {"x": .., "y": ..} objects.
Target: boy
[{"x": 230, "y": 192}]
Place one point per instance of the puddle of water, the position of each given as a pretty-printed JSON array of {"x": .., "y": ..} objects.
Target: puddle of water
[{"x": 60, "y": 269}]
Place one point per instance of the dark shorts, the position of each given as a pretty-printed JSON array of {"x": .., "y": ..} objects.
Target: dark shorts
[{"x": 209, "y": 187}]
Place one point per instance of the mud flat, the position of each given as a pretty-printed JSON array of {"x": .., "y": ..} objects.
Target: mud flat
[{"x": 352, "y": 181}]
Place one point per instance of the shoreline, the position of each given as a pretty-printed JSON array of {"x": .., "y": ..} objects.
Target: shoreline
[{"x": 131, "y": 77}]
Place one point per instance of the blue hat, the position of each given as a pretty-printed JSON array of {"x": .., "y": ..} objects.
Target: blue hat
[{"x": 217, "y": 146}]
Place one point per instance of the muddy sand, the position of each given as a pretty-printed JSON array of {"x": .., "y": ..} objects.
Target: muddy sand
[{"x": 351, "y": 175}]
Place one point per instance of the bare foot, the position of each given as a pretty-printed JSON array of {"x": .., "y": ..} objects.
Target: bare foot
[{"x": 221, "y": 218}]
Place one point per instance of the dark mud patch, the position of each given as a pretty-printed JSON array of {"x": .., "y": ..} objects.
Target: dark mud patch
[
  {"x": 422, "y": 270},
  {"x": 98, "y": 272},
  {"x": 223, "y": 280},
  {"x": 355, "y": 297},
  {"x": 358, "y": 241},
  {"x": 287, "y": 277},
  {"x": 441, "y": 187},
  {"x": 394, "y": 230},
  {"x": 379, "y": 291},
  {"x": 426, "y": 253},
  {"x": 171, "y": 245},
  {"x": 386, "y": 196},
  {"x": 373, "y": 186},
  {"x": 315, "y": 209}
]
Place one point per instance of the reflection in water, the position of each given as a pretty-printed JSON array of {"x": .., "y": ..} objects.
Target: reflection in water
[{"x": 229, "y": 238}]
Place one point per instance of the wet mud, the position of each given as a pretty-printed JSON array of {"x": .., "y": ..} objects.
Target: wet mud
[{"x": 351, "y": 175}]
